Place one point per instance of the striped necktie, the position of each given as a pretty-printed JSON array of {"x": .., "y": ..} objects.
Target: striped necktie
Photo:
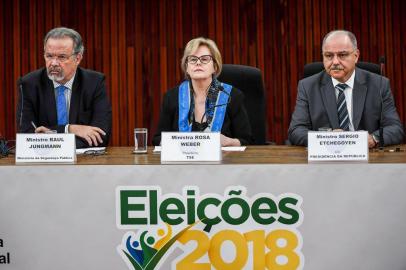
[
  {"x": 343, "y": 117},
  {"x": 61, "y": 110}
]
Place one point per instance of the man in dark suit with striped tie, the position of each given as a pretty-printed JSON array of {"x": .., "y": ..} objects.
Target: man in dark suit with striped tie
[
  {"x": 64, "y": 97},
  {"x": 344, "y": 97}
]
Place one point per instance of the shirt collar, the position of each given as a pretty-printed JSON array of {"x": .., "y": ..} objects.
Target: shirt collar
[
  {"x": 349, "y": 82},
  {"x": 68, "y": 84}
]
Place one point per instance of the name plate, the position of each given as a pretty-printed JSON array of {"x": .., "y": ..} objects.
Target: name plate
[
  {"x": 190, "y": 147},
  {"x": 338, "y": 146},
  {"x": 45, "y": 148}
]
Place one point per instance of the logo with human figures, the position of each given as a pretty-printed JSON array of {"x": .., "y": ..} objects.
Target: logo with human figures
[
  {"x": 145, "y": 252},
  {"x": 230, "y": 231}
]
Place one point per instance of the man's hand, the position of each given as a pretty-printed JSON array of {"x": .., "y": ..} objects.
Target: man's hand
[
  {"x": 371, "y": 141},
  {"x": 226, "y": 141},
  {"x": 89, "y": 133},
  {"x": 42, "y": 129}
]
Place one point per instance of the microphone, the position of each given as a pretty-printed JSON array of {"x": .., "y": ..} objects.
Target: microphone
[
  {"x": 20, "y": 85},
  {"x": 213, "y": 94},
  {"x": 382, "y": 65},
  {"x": 5, "y": 149}
]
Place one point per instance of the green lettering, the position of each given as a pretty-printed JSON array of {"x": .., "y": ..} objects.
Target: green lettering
[
  {"x": 225, "y": 211},
  {"x": 191, "y": 205},
  {"x": 153, "y": 208},
  {"x": 284, "y": 208},
  {"x": 126, "y": 207},
  {"x": 269, "y": 208},
  {"x": 165, "y": 210},
  {"x": 201, "y": 211}
]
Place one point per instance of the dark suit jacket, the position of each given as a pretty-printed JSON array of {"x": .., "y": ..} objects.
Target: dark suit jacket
[
  {"x": 236, "y": 123},
  {"x": 89, "y": 103},
  {"x": 316, "y": 107}
]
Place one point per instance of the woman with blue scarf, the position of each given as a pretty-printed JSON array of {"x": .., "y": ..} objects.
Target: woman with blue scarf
[{"x": 201, "y": 102}]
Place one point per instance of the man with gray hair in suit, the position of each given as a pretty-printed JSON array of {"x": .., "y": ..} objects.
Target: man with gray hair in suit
[
  {"x": 344, "y": 97},
  {"x": 64, "y": 97}
]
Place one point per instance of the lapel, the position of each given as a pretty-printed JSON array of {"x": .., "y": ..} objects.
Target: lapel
[
  {"x": 75, "y": 98},
  {"x": 359, "y": 93},
  {"x": 49, "y": 99},
  {"x": 329, "y": 99}
]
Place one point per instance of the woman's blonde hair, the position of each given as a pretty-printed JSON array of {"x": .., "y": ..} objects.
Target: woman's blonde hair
[{"x": 194, "y": 44}]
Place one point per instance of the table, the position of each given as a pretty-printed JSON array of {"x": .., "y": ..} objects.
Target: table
[
  {"x": 272, "y": 154},
  {"x": 351, "y": 216}
]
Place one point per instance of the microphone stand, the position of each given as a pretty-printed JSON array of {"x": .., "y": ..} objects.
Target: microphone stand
[{"x": 381, "y": 140}]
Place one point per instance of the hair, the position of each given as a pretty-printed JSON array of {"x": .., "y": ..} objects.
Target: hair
[
  {"x": 349, "y": 34},
  {"x": 62, "y": 32},
  {"x": 194, "y": 44}
]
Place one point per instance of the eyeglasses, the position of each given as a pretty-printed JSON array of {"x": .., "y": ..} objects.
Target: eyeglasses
[
  {"x": 204, "y": 59},
  {"x": 94, "y": 152},
  {"x": 340, "y": 55},
  {"x": 60, "y": 58}
]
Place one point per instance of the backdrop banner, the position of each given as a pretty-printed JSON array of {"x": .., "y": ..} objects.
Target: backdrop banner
[{"x": 317, "y": 216}]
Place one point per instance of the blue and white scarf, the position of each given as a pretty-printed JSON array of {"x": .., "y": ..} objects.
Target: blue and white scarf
[{"x": 216, "y": 104}]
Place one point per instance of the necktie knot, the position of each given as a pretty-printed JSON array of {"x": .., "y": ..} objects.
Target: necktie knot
[
  {"x": 341, "y": 87},
  {"x": 61, "y": 89}
]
